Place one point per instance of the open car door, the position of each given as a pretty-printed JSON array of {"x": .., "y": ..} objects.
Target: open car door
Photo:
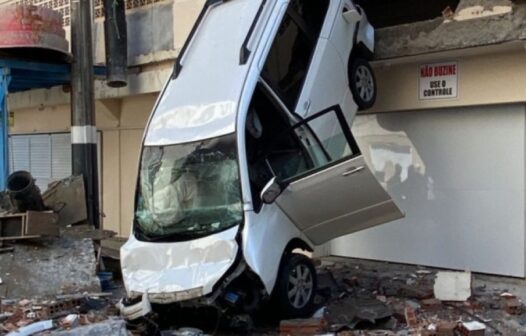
[{"x": 328, "y": 190}]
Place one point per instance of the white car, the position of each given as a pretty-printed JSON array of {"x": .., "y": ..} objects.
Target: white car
[{"x": 248, "y": 156}]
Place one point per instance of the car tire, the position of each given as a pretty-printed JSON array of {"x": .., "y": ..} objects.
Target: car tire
[
  {"x": 362, "y": 83},
  {"x": 295, "y": 287}
]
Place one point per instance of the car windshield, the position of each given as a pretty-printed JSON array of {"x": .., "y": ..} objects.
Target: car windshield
[{"x": 187, "y": 191}]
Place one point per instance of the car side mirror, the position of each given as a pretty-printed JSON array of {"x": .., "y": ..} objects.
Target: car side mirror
[
  {"x": 271, "y": 191},
  {"x": 352, "y": 16}
]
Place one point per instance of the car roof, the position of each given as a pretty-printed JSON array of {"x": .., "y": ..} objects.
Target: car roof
[{"x": 202, "y": 101}]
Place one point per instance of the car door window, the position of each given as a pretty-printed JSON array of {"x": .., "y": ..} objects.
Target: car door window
[
  {"x": 290, "y": 55},
  {"x": 322, "y": 140}
]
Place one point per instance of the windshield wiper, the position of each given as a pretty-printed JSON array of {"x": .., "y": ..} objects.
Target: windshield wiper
[{"x": 141, "y": 235}]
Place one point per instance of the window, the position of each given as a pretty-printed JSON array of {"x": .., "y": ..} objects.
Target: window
[
  {"x": 291, "y": 53},
  {"x": 323, "y": 139},
  {"x": 279, "y": 144}
]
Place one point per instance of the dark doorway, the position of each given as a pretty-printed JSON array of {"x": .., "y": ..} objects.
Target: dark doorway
[{"x": 385, "y": 13}]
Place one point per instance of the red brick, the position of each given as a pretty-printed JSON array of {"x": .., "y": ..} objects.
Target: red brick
[
  {"x": 431, "y": 303},
  {"x": 302, "y": 327},
  {"x": 446, "y": 328},
  {"x": 465, "y": 331},
  {"x": 410, "y": 317},
  {"x": 513, "y": 306}
]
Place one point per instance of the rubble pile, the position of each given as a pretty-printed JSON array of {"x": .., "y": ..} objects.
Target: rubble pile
[
  {"x": 60, "y": 314},
  {"x": 373, "y": 298},
  {"x": 48, "y": 255}
]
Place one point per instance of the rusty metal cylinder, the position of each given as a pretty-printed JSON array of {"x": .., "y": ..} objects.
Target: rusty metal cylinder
[
  {"x": 25, "y": 194},
  {"x": 116, "y": 42}
]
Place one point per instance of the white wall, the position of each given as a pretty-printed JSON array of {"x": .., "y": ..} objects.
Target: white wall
[{"x": 459, "y": 176}]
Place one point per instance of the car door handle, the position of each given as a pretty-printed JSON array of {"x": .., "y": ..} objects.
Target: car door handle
[{"x": 353, "y": 170}]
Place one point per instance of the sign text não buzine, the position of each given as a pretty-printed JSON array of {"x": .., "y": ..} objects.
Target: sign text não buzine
[{"x": 438, "y": 81}]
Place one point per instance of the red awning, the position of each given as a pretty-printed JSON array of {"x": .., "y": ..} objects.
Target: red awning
[{"x": 35, "y": 27}]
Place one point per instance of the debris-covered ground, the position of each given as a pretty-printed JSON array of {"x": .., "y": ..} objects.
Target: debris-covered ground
[
  {"x": 375, "y": 298},
  {"x": 355, "y": 297},
  {"x": 52, "y": 286}
]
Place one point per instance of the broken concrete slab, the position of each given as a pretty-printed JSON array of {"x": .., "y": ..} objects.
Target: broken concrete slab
[
  {"x": 111, "y": 327},
  {"x": 475, "y": 9},
  {"x": 351, "y": 311},
  {"x": 80, "y": 232},
  {"x": 49, "y": 267},
  {"x": 452, "y": 286},
  {"x": 471, "y": 27},
  {"x": 183, "y": 332},
  {"x": 67, "y": 197},
  {"x": 32, "y": 328}
]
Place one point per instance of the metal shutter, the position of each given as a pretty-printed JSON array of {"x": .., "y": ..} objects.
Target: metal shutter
[
  {"x": 46, "y": 156},
  {"x": 18, "y": 153},
  {"x": 61, "y": 156},
  {"x": 40, "y": 159}
]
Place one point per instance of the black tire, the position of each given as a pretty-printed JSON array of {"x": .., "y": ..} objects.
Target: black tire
[
  {"x": 301, "y": 302},
  {"x": 362, "y": 83}
]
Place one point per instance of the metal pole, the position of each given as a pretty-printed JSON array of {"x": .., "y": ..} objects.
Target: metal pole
[
  {"x": 83, "y": 129},
  {"x": 4, "y": 128}
]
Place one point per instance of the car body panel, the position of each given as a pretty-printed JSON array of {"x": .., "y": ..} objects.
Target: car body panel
[
  {"x": 203, "y": 101},
  {"x": 265, "y": 236},
  {"x": 339, "y": 200},
  {"x": 172, "y": 268},
  {"x": 344, "y": 35},
  {"x": 366, "y": 33},
  {"x": 328, "y": 74}
]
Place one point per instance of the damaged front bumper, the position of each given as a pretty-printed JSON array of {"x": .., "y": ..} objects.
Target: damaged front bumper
[
  {"x": 179, "y": 271},
  {"x": 132, "y": 311}
]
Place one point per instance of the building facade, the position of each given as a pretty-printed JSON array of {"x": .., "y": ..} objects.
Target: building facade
[{"x": 446, "y": 136}]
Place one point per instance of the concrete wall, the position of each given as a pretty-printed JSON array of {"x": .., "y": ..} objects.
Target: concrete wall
[
  {"x": 156, "y": 32},
  {"x": 494, "y": 78},
  {"x": 455, "y": 166},
  {"x": 458, "y": 174},
  {"x": 120, "y": 162}
]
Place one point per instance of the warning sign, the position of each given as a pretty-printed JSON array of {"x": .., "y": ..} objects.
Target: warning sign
[{"x": 438, "y": 81}]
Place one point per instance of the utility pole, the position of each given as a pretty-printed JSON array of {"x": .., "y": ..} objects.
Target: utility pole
[{"x": 83, "y": 129}]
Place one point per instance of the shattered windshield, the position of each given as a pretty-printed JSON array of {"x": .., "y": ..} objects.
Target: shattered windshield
[{"x": 188, "y": 190}]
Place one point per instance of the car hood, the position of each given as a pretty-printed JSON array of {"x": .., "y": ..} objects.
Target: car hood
[
  {"x": 202, "y": 102},
  {"x": 177, "y": 271}
]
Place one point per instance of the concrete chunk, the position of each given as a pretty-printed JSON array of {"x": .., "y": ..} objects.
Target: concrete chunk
[
  {"x": 452, "y": 286},
  {"x": 32, "y": 328},
  {"x": 116, "y": 327}
]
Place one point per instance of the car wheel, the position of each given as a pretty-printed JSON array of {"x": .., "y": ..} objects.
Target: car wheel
[
  {"x": 362, "y": 83},
  {"x": 296, "y": 287}
]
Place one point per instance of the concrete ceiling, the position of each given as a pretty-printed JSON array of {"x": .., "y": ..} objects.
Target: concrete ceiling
[{"x": 385, "y": 13}]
